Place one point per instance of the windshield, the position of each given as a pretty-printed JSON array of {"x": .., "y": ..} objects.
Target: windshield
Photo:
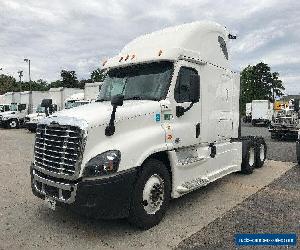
[
  {"x": 40, "y": 109},
  {"x": 13, "y": 107},
  {"x": 149, "y": 81},
  {"x": 76, "y": 104},
  {"x": 69, "y": 104}
]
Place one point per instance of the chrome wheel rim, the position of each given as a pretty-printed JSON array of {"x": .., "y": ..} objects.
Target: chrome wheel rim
[
  {"x": 262, "y": 152},
  {"x": 13, "y": 124},
  {"x": 153, "y": 194},
  {"x": 251, "y": 156}
]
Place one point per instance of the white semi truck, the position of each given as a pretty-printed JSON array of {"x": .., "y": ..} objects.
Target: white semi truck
[
  {"x": 166, "y": 123},
  {"x": 60, "y": 95},
  {"x": 262, "y": 112}
]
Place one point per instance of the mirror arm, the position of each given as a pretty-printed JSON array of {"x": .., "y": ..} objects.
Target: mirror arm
[{"x": 110, "y": 129}]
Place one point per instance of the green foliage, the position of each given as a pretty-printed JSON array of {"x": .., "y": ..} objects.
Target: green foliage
[
  {"x": 7, "y": 84},
  {"x": 97, "y": 75},
  {"x": 69, "y": 79},
  {"x": 259, "y": 83}
]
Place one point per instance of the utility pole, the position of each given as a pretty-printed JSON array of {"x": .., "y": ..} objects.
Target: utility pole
[
  {"x": 28, "y": 61},
  {"x": 20, "y": 77}
]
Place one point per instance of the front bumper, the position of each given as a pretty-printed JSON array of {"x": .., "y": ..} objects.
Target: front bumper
[
  {"x": 31, "y": 126},
  {"x": 109, "y": 197}
]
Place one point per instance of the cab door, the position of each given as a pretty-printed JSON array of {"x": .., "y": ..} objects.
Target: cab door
[{"x": 186, "y": 114}]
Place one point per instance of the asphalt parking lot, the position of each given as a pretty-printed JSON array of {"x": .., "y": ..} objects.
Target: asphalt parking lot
[{"x": 209, "y": 212}]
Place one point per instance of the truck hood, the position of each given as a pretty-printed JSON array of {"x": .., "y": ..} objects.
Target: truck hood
[
  {"x": 8, "y": 113},
  {"x": 98, "y": 113},
  {"x": 34, "y": 115}
]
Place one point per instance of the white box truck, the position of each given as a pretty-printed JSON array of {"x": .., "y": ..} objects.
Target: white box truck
[
  {"x": 14, "y": 117},
  {"x": 166, "y": 123},
  {"x": 248, "y": 116},
  {"x": 262, "y": 112}
]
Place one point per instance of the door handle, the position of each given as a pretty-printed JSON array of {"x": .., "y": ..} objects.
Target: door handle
[{"x": 197, "y": 130}]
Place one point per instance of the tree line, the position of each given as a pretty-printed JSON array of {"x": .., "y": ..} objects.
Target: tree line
[
  {"x": 68, "y": 79},
  {"x": 258, "y": 82}
]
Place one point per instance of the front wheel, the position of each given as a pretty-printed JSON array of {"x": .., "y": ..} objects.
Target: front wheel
[
  {"x": 13, "y": 123},
  {"x": 151, "y": 195}
]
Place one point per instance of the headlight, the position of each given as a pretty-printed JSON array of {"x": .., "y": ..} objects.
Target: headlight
[{"x": 103, "y": 164}]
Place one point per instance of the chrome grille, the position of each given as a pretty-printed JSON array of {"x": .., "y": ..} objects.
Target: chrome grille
[{"x": 58, "y": 148}]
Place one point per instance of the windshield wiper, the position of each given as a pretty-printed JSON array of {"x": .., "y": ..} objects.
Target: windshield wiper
[
  {"x": 142, "y": 98},
  {"x": 133, "y": 98},
  {"x": 101, "y": 100}
]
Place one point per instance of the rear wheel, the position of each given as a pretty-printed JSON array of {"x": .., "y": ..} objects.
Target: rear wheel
[
  {"x": 13, "y": 123},
  {"x": 248, "y": 160},
  {"x": 261, "y": 153},
  {"x": 151, "y": 195}
]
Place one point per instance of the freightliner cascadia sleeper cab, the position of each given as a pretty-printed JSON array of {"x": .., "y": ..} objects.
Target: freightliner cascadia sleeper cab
[{"x": 166, "y": 122}]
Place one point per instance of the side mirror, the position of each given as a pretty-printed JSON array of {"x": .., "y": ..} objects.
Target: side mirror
[
  {"x": 117, "y": 100},
  {"x": 22, "y": 107},
  {"x": 194, "y": 88},
  {"x": 46, "y": 103}
]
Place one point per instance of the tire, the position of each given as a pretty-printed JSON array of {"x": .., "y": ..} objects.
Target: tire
[
  {"x": 261, "y": 153},
  {"x": 248, "y": 157},
  {"x": 253, "y": 123},
  {"x": 245, "y": 119},
  {"x": 14, "y": 123},
  {"x": 153, "y": 175}
]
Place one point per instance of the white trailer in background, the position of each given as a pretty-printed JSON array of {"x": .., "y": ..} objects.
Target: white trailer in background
[
  {"x": 262, "y": 111},
  {"x": 16, "y": 97},
  {"x": 8, "y": 97},
  {"x": 91, "y": 90}
]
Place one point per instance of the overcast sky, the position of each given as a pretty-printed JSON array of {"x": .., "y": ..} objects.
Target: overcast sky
[{"x": 78, "y": 35}]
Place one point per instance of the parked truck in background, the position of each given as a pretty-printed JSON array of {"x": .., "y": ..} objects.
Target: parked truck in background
[
  {"x": 285, "y": 123},
  {"x": 70, "y": 101},
  {"x": 14, "y": 117},
  {"x": 60, "y": 95},
  {"x": 262, "y": 112},
  {"x": 32, "y": 120},
  {"x": 166, "y": 123}
]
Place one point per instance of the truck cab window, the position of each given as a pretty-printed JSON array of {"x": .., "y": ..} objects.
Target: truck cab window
[
  {"x": 148, "y": 81},
  {"x": 182, "y": 88},
  {"x": 223, "y": 46}
]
